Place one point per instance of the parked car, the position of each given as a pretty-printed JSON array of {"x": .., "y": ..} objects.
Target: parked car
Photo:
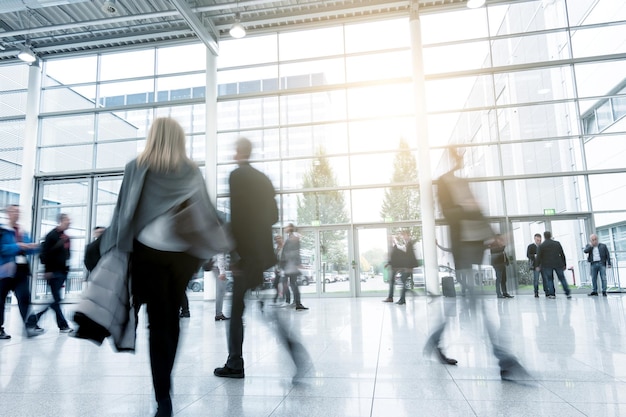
[
  {"x": 306, "y": 277},
  {"x": 196, "y": 284}
]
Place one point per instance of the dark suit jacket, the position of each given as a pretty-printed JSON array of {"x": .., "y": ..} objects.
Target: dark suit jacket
[
  {"x": 253, "y": 212},
  {"x": 55, "y": 251},
  {"x": 550, "y": 254},
  {"x": 605, "y": 258},
  {"x": 531, "y": 254}
]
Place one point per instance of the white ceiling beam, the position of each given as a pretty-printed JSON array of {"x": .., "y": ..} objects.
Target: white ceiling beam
[{"x": 208, "y": 38}]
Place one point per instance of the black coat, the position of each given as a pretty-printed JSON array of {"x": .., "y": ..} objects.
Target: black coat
[
  {"x": 253, "y": 212},
  {"x": 55, "y": 251},
  {"x": 550, "y": 255},
  {"x": 605, "y": 257},
  {"x": 531, "y": 254}
]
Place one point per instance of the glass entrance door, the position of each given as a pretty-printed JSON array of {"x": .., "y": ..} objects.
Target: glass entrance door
[
  {"x": 89, "y": 202},
  {"x": 327, "y": 267},
  {"x": 571, "y": 232}
]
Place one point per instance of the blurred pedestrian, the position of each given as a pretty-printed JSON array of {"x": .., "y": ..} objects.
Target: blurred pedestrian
[
  {"x": 253, "y": 212},
  {"x": 470, "y": 234}
]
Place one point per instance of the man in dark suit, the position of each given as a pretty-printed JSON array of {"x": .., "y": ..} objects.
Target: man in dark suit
[
  {"x": 531, "y": 254},
  {"x": 551, "y": 259},
  {"x": 599, "y": 259},
  {"x": 253, "y": 212}
]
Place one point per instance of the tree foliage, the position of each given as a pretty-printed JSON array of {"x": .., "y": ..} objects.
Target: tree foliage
[
  {"x": 401, "y": 202},
  {"x": 324, "y": 207}
]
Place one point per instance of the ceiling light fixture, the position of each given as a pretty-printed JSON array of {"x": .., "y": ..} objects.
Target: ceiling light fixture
[
  {"x": 475, "y": 4},
  {"x": 237, "y": 31},
  {"x": 109, "y": 7},
  {"x": 26, "y": 54}
]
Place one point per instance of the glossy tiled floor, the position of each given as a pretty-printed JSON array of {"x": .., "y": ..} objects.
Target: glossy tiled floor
[{"x": 367, "y": 361}]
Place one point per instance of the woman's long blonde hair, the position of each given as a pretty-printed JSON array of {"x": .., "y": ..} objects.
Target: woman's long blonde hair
[{"x": 165, "y": 146}]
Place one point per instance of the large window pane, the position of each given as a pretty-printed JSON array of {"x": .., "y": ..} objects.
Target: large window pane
[
  {"x": 599, "y": 41},
  {"x": 381, "y": 100},
  {"x": 533, "y": 196},
  {"x": 313, "y": 173},
  {"x": 597, "y": 79},
  {"x": 249, "y": 113},
  {"x": 67, "y": 129},
  {"x": 65, "y": 99},
  {"x": 452, "y": 26},
  {"x": 12, "y": 103},
  {"x": 12, "y": 134},
  {"x": 541, "y": 157},
  {"x": 112, "y": 127},
  {"x": 310, "y": 43},
  {"x": 182, "y": 87},
  {"x": 527, "y": 16},
  {"x": 313, "y": 107},
  {"x": 375, "y": 36},
  {"x": 459, "y": 57},
  {"x": 534, "y": 85},
  {"x": 379, "y": 66},
  {"x": 131, "y": 64},
  {"x": 380, "y": 135},
  {"x": 372, "y": 169},
  {"x": 13, "y": 77},
  {"x": 460, "y": 127},
  {"x": 115, "y": 155},
  {"x": 247, "y": 80},
  {"x": 459, "y": 93},
  {"x": 312, "y": 73},
  {"x": 71, "y": 70},
  {"x": 538, "y": 121},
  {"x": 606, "y": 189},
  {"x": 181, "y": 58},
  {"x": 126, "y": 92},
  {"x": 530, "y": 48},
  {"x": 66, "y": 158},
  {"x": 606, "y": 152},
  {"x": 236, "y": 52},
  {"x": 317, "y": 208},
  {"x": 306, "y": 140},
  {"x": 367, "y": 204}
]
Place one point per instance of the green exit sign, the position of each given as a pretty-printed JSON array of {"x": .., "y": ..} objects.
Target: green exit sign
[{"x": 549, "y": 212}]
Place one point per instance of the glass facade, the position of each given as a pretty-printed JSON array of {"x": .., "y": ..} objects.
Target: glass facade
[{"x": 533, "y": 92}]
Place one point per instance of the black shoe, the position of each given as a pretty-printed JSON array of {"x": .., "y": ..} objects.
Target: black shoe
[
  {"x": 444, "y": 359},
  {"x": 226, "y": 372},
  {"x": 184, "y": 314},
  {"x": 401, "y": 302},
  {"x": 515, "y": 372},
  {"x": 221, "y": 317},
  {"x": 34, "y": 331},
  {"x": 536, "y": 295},
  {"x": 604, "y": 293},
  {"x": 164, "y": 408},
  {"x": 508, "y": 296},
  {"x": 592, "y": 294},
  {"x": 301, "y": 307},
  {"x": 65, "y": 329},
  {"x": 501, "y": 296},
  {"x": 3, "y": 335}
]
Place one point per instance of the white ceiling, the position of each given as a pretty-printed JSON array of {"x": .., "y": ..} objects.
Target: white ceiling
[{"x": 55, "y": 27}]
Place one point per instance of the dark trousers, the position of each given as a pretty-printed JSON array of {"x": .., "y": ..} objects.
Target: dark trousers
[
  {"x": 500, "y": 280},
  {"x": 159, "y": 281},
  {"x": 55, "y": 282},
  {"x": 473, "y": 305},
  {"x": 293, "y": 283},
  {"x": 20, "y": 286},
  {"x": 242, "y": 284}
]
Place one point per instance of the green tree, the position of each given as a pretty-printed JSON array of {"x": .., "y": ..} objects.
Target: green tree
[
  {"x": 320, "y": 205},
  {"x": 401, "y": 202}
]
